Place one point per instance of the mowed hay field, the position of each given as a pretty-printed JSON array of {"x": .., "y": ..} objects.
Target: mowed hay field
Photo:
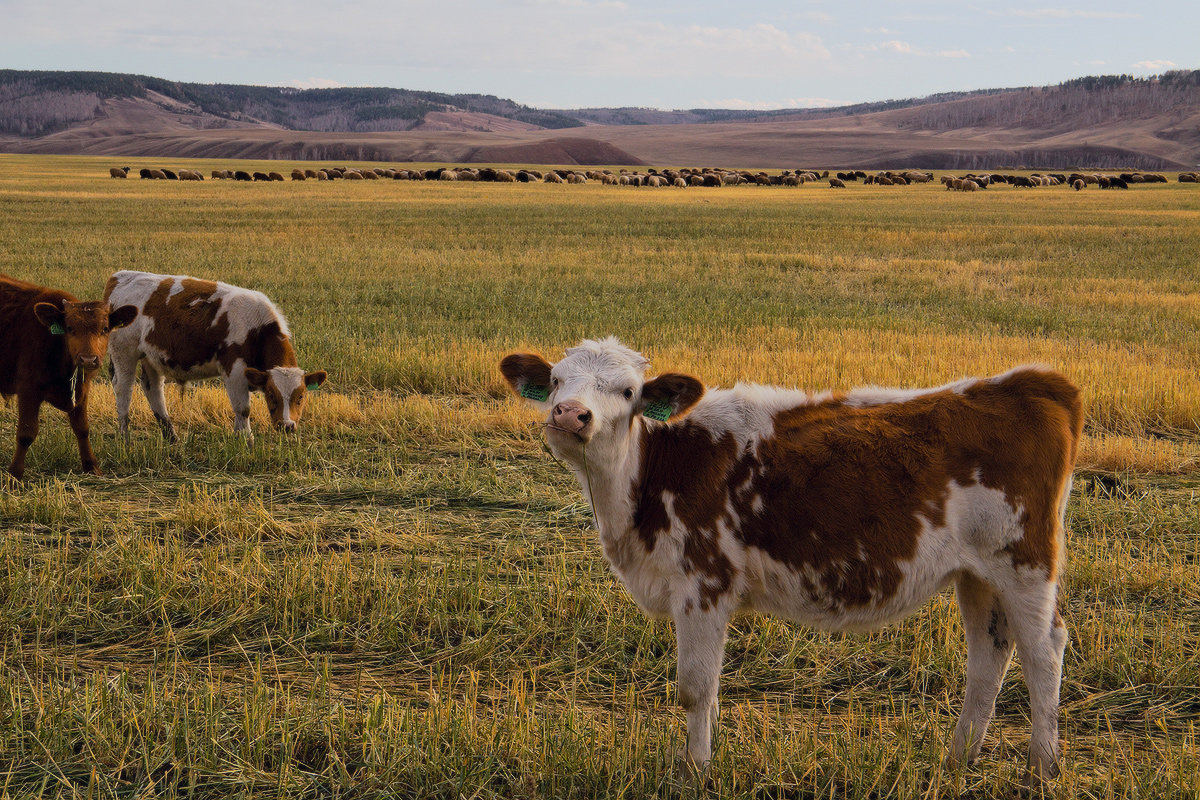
[{"x": 406, "y": 600}]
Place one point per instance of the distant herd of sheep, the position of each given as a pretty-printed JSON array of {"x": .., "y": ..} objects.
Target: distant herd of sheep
[{"x": 669, "y": 177}]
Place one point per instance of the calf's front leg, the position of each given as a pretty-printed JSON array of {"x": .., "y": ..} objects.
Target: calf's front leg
[
  {"x": 79, "y": 425},
  {"x": 700, "y": 636},
  {"x": 238, "y": 390}
]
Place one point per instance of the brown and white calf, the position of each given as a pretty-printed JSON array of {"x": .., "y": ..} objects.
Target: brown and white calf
[
  {"x": 840, "y": 511},
  {"x": 51, "y": 345},
  {"x": 190, "y": 329}
]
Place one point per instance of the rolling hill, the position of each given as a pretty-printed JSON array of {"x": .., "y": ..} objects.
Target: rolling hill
[{"x": 1105, "y": 122}]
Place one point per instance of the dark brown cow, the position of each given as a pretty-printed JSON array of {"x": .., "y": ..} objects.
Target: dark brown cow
[
  {"x": 51, "y": 345},
  {"x": 840, "y": 511}
]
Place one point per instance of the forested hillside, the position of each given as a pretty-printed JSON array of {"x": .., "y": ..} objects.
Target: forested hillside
[{"x": 37, "y": 103}]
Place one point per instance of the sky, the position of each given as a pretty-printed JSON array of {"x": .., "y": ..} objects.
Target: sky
[{"x": 670, "y": 54}]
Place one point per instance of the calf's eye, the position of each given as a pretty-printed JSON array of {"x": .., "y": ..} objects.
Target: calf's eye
[{"x": 628, "y": 394}]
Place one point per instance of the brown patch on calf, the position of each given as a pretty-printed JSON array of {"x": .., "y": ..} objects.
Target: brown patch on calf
[
  {"x": 188, "y": 325},
  {"x": 191, "y": 328},
  {"x": 844, "y": 488},
  {"x": 683, "y": 459}
]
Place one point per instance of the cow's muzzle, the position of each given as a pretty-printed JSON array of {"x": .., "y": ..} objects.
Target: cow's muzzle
[{"x": 571, "y": 417}]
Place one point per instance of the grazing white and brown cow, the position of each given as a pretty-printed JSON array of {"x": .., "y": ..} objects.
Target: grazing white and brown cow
[
  {"x": 840, "y": 511},
  {"x": 51, "y": 345},
  {"x": 190, "y": 329}
]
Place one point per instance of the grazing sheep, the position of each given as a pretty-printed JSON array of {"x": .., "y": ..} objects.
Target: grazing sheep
[
  {"x": 1078, "y": 184},
  {"x": 118, "y": 172},
  {"x": 837, "y": 183},
  {"x": 553, "y": 177},
  {"x": 298, "y": 175},
  {"x": 310, "y": 173},
  {"x": 1189, "y": 177},
  {"x": 158, "y": 174},
  {"x": 242, "y": 175},
  {"x": 169, "y": 175},
  {"x": 261, "y": 176},
  {"x": 190, "y": 175},
  {"x": 275, "y": 176},
  {"x": 322, "y": 175},
  {"x": 145, "y": 173},
  {"x": 352, "y": 175},
  {"x": 219, "y": 174}
]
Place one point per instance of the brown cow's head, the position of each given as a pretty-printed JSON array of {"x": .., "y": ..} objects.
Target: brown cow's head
[
  {"x": 592, "y": 396},
  {"x": 85, "y": 326},
  {"x": 286, "y": 389}
]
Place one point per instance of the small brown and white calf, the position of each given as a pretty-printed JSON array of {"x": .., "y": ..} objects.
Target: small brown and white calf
[
  {"x": 190, "y": 329},
  {"x": 51, "y": 345},
  {"x": 840, "y": 511}
]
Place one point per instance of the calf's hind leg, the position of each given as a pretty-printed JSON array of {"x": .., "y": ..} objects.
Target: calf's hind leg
[
  {"x": 28, "y": 407},
  {"x": 989, "y": 650},
  {"x": 1041, "y": 641}
]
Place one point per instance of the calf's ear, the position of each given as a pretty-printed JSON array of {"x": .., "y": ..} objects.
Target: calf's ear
[
  {"x": 313, "y": 380},
  {"x": 529, "y": 376},
  {"x": 120, "y": 317},
  {"x": 670, "y": 395},
  {"x": 49, "y": 315},
  {"x": 256, "y": 378}
]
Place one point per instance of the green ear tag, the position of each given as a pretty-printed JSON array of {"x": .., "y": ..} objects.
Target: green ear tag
[
  {"x": 658, "y": 410},
  {"x": 312, "y": 387},
  {"x": 531, "y": 392},
  {"x": 57, "y": 329}
]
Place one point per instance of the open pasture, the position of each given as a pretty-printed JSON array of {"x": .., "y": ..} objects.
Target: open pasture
[{"x": 406, "y": 599}]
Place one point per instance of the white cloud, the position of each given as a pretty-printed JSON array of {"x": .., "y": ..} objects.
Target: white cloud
[
  {"x": 1156, "y": 65},
  {"x": 904, "y": 48},
  {"x": 894, "y": 46},
  {"x": 772, "y": 105},
  {"x": 315, "y": 83}
]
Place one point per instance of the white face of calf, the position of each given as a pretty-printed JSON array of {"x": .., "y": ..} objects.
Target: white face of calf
[
  {"x": 285, "y": 389},
  {"x": 594, "y": 394}
]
